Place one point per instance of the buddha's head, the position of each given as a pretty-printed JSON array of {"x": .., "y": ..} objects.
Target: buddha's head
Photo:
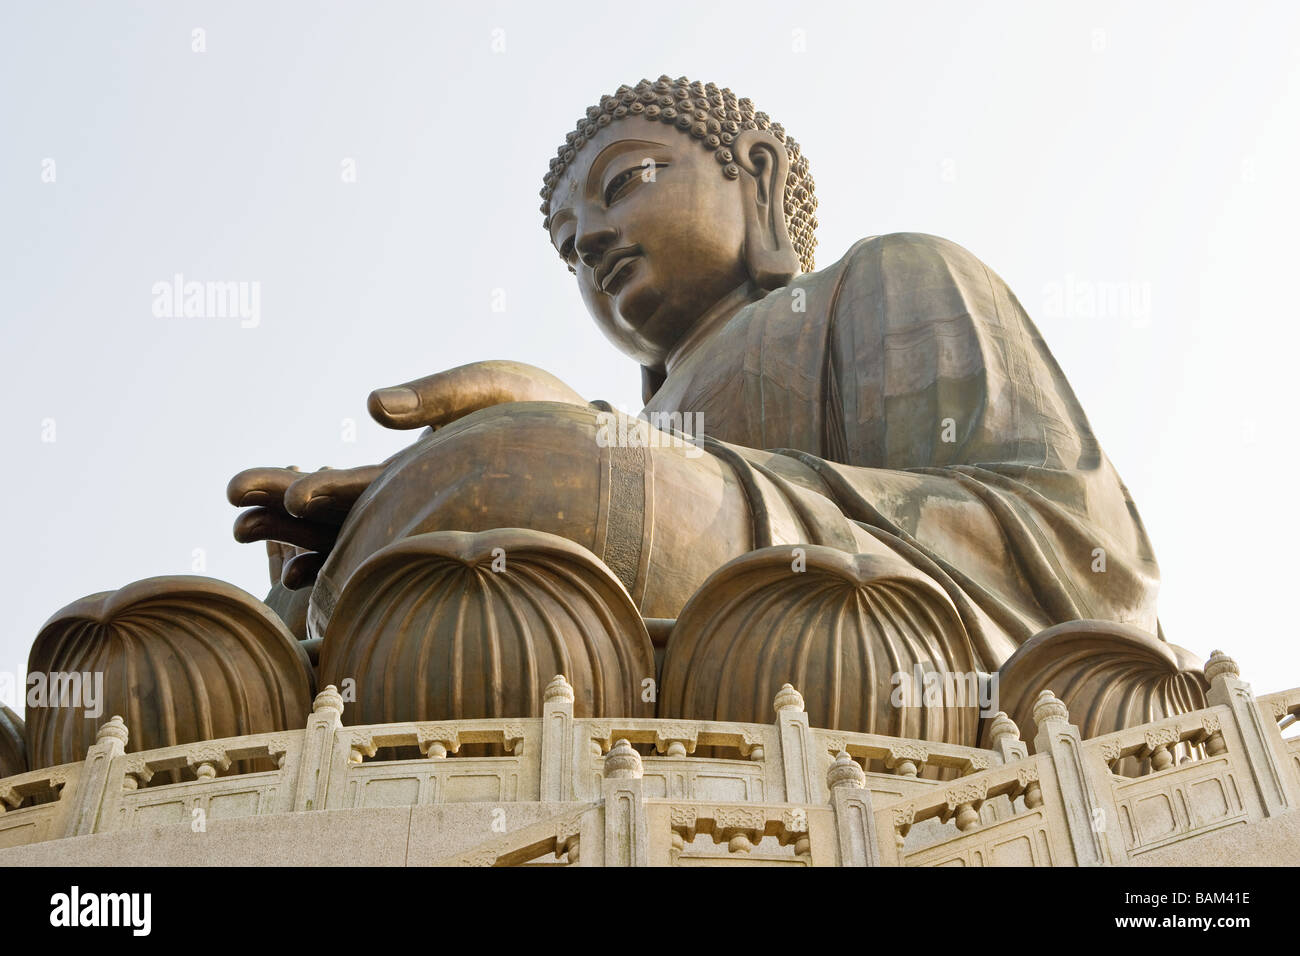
[{"x": 670, "y": 197}]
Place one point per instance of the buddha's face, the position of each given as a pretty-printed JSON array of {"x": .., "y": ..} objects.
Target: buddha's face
[{"x": 653, "y": 230}]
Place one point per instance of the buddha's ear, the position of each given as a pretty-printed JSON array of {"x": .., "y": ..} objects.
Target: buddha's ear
[{"x": 769, "y": 252}]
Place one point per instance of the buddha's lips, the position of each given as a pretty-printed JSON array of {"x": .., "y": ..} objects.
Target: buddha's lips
[{"x": 614, "y": 264}]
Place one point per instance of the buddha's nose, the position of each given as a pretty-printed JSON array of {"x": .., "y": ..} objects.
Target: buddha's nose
[{"x": 593, "y": 241}]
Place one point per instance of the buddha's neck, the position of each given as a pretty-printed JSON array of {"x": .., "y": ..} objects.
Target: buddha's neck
[{"x": 717, "y": 315}]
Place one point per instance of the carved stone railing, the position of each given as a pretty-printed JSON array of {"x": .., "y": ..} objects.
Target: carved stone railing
[
  {"x": 1069, "y": 805},
  {"x": 1028, "y": 834},
  {"x": 36, "y": 806},
  {"x": 1282, "y": 713},
  {"x": 631, "y": 791}
]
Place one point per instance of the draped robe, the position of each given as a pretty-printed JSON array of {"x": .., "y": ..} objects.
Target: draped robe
[{"x": 907, "y": 384}]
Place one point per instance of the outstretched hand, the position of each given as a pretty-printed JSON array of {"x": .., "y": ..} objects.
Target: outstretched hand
[{"x": 307, "y": 510}]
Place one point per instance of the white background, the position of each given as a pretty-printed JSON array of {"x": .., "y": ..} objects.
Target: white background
[{"x": 1147, "y": 147}]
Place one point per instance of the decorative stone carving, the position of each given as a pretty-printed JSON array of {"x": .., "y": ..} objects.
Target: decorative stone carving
[
  {"x": 184, "y": 659},
  {"x": 902, "y": 818},
  {"x": 481, "y": 623},
  {"x": 835, "y": 742},
  {"x": 558, "y": 689},
  {"x": 363, "y": 746},
  {"x": 512, "y": 737},
  {"x": 601, "y": 736},
  {"x": 795, "y": 820},
  {"x": 437, "y": 741},
  {"x": 622, "y": 762},
  {"x": 676, "y": 740},
  {"x": 1220, "y": 664},
  {"x": 207, "y": 761},
  {"x": 683, "y": 819},
  {"x": 963, "y": 800},
  {"x": 845, "y": 772},
  {"x": 906, "y": 760},
  {"x": 1027, "y": 777},
  {"x": 328, "y": 700},
  {"x": 1047, "y": 706},
  {"x": 1002, "y": 726},
  {"x": 740, "y": 818},
  {"x": 277, "y": 748},
  {"x": 1160, "y": 737},
  {"x": 1158, "y": 743},
  {"x": 972, "y": 792},
  {"x": 787, "y": 698},
  {"x": 136, "y": 773},
  {"x": 751, "y": 746},
  {"x": 1212, "y": 730}
]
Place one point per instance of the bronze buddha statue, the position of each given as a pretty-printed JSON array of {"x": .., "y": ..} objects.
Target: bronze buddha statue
[{"x": 896, "y": 477}]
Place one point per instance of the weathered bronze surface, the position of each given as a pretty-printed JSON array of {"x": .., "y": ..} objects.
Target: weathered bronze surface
[
  {"x": 914, "y": 420},
  {"x": 839, "y": 476},
  {"x": 454, "y": 623},
  {"x": 13, "y": 746},
  {"x": 181, "y": 658}
]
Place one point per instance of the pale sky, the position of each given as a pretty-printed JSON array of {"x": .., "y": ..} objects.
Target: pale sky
[{"x": 1129, "y": 169}]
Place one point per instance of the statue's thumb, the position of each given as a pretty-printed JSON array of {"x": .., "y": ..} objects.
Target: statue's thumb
[{"x": 396, "y": 407}]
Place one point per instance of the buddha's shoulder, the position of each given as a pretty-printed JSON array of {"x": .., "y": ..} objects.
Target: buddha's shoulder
[
  {"x": 903, "y": 251},
  {"x": 926, "y": 265},
  {"x": 909, "y": 269}
]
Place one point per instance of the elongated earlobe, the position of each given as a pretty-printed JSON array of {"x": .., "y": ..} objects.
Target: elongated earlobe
[{"x": 769, "y": 253}]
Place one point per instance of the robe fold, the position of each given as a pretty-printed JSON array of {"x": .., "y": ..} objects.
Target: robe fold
[{"x": 907, "y": 384}]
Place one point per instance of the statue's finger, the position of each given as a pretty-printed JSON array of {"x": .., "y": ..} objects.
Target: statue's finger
[
  {"x": 269, "y": 524},
  {"x": 301, "y": 570},
  {"x": 444, "y": 397},
  {"x": 327, "y": 496},
  {"x": 263, "y": 487},
  {"x": 403, "y": 406}
]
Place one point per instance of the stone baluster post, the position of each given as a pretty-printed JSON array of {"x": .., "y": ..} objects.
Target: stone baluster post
[
  {"x": 1005, "y": 739},
  {"x": 855, "y": 823},
  {"x": 318, "y": 746},
  {"x": 557, "y": 766},
  {"x": 101, "y": 777},
  {"x": 1245, "y": 733},
  {"x": 627, "y": 834},
  {"x": 796, "y": 745},
  {"x": 1005, "y": 742},
  {"x": 1089, "y": 811}
]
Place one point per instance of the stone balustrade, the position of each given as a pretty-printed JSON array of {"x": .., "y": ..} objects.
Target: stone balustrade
[{"x": 623, "y": 791}]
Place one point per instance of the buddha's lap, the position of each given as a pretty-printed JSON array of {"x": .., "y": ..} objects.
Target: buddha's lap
[{"x": 568, "y": 470}]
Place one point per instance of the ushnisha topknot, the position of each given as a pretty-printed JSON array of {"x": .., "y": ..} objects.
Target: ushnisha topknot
[{"x": 715, "y": 117}]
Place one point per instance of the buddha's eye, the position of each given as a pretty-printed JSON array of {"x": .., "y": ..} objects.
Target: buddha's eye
[{"x": 621, "y": 184}]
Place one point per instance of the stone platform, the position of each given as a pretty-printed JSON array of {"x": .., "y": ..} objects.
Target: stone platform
[{"x": 1211, "y": 787}]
